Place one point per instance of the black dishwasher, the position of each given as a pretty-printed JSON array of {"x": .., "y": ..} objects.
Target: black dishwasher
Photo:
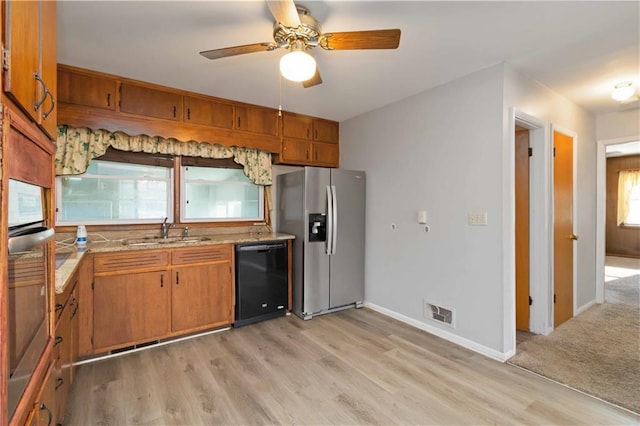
[{"x": 261, "y": 281}]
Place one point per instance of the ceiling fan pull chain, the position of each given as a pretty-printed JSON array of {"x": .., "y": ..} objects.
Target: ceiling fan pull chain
[{"x": 280, "y": 95}]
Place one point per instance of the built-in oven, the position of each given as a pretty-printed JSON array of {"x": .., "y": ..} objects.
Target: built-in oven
[{"x": 27, "y": 293}]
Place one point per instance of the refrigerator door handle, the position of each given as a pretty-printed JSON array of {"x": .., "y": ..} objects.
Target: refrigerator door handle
[
  {"x": 329, "y": 243},
  {"x": 334, "y": 224}
]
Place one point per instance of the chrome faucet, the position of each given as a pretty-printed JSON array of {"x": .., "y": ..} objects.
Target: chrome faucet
[{"x": 164, "y": 228}]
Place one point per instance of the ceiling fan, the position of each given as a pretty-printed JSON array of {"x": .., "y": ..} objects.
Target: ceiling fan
[{"x": 295, "y": 29}]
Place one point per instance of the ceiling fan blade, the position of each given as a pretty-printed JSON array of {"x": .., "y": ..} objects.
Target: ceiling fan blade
[
  {"x": 236, "y": 50},
  {"x": 375, "y": 39},
  {"x": 284, "y": 12},
  {"x": 313, "y": 81}
]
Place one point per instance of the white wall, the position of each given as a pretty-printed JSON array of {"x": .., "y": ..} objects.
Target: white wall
[
  {"x": 539, "y": 101},
  {"x": 444, "y": 151},
  {"x": 619, "y": 125}
]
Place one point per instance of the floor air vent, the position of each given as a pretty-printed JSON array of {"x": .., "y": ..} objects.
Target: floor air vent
[{"x": 439, "y": 313}]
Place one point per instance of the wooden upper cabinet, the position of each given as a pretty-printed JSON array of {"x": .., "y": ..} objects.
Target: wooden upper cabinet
[
  {"x": 48, "y": 67},
  {"x": 23, "y": 46},
  {"x": 325, "y": 131},
  {"x": 310, "y": 128},
  {"x": 87, "y": 90},
  {"x": 150, "y": 102},
  {"x": 296, "y": 151},
  {"x": 325, "y": 154},
  {"x": 297, "y": 126},
  {"x": 30, "y": 74},
  {"x": 256, "y": 120},
  {"x": 208, "y": 112}
]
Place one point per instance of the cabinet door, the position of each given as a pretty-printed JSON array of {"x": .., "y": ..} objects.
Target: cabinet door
[
  {"x": 44, "y": 412},
  {"x": 208, "y": 112},
  {"x": 325, "y": 131},
  {"x": 87, "y": 90},
  {"x": 256, "y": 120},
  {"x": 48, "y": 64},
  {"x": 23, "y": 39},
  {"x": 201, "y": 296},
  {"x": 296, "y": 150},
  {"x": 325, "y": 154},
  {"x": 296, "y": 126},
  {"x": 150, "y": 102},
  {"x": 131, "y": 308},
  {"x": 63, "y": 347}
]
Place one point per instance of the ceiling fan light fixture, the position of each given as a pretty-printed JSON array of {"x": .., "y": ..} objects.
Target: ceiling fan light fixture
[
  {"x": 297, "y": 65},
  {"x": 623, "y": 91}
]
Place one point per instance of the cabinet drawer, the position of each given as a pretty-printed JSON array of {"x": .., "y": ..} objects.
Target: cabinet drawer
[
  {"x": 201, "y": 254},
  {"x": 127, "y": 261}
]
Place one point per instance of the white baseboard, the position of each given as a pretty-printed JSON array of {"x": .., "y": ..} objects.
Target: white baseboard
[
  {"x": 584, "y": 307},
  {"x": 453, "y": 338}
]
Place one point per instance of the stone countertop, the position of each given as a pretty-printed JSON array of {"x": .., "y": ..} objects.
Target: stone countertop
[{"x": 68, "y": 267}]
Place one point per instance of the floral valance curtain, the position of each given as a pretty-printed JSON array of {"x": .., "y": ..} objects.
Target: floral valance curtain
[{"x": 76, "y": 147}]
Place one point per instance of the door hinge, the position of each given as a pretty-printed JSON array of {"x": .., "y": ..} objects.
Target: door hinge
[
  {"x": 530, "y": 301},
  {"x": 530, "y": 152},
  {"x": 5, "y": 59},
  {"x": 554, "y": 298}
]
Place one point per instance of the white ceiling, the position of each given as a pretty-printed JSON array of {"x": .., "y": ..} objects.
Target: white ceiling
[{"x": 579, "y": 49}]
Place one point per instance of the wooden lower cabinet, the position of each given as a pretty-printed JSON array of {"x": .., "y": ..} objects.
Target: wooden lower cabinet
[
  {"x": 130, "y": 308},
  {"x": 200, "y": 297},
  {"x": 190, "y": 289},
  {"x": 44, "y": 412}
]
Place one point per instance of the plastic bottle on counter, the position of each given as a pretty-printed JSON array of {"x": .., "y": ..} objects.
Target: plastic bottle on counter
[{"x": 81, "y": 237}]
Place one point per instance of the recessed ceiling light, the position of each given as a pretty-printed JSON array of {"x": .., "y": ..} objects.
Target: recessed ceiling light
[{"x": 623, "y": 91}]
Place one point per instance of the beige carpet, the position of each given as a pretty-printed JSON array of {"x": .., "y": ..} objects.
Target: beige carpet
[{"x": 597, "y": 352}]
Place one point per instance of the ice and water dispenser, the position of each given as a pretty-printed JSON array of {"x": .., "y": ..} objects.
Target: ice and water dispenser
[{"x": 317, "y": 227}]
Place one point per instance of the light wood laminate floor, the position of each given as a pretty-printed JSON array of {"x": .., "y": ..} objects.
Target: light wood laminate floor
[{"x": 350, "y": 367}]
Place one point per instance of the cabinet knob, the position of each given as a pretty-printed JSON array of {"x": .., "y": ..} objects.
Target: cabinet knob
[
  {"x": 108, "y": 99},
  {"x": 177, "y": 278},
  {"x": 161, "y": 280},
  {"x": 188, "y": 113}
]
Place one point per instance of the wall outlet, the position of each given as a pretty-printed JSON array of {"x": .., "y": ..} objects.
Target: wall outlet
[{"x": 478, "y": 219}]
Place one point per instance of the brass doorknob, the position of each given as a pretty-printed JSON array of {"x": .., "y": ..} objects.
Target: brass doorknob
[{"x": 573, "y": 237}]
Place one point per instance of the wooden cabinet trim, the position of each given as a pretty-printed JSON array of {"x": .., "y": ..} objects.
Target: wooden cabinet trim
[{"x": 116, "y": 263}]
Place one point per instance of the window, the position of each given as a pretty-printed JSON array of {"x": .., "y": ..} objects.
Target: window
[
  {"x": 629, "y": 197},
  {"x": 219, "y": 194},
  {"x": 132, "y": 188},
  {"x": 115, "y": 193}
]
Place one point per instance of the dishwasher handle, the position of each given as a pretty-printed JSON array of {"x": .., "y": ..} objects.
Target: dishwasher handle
[{"x": 261, "y": 247}]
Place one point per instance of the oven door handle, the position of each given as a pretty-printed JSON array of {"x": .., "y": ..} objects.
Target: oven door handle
[{"x": 28, "y": 241}]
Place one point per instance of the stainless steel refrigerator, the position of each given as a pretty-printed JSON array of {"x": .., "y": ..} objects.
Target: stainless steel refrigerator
[{"x": 325, "y": 209}]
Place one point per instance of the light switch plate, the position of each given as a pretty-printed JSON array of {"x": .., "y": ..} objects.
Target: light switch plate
[{"x": 478, "y": 219}]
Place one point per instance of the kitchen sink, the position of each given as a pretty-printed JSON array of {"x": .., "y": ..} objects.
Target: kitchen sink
[{"x": 148, "y": 241}]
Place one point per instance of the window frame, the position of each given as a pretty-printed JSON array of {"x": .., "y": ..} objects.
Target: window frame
[
  {"x": 169, "y": 212},
  {"x": 182, "y": 201},
  {"x": 175, "y": 190}
]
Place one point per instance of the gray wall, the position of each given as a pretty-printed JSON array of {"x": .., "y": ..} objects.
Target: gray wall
[{"x": 444, "y": 151}]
